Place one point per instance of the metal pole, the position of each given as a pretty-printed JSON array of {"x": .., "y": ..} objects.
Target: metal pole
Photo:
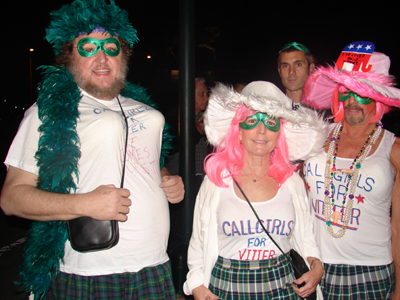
[
  {"x": 178, "y": 255},
  {"x": 187, "y": 106}
]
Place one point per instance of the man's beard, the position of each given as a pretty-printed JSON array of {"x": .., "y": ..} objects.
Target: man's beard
[
  {"x": 101, "y": 93},
  {"x": 351, "y": 119}
]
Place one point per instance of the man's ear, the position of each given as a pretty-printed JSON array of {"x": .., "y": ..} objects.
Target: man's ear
[{"x": 311, "y": 68}]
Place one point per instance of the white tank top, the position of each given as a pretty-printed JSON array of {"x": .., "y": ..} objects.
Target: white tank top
[
  {"x": 367, "y": 238},
  {"x": 240, "y": 235}
]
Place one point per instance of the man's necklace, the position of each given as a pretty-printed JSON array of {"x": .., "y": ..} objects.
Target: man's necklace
[
  {"x": 331, "y": 215},
  {"x": 295, "y": 106}
]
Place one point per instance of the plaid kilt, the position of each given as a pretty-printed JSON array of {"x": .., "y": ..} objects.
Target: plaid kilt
[
  {"x": 346, "y": 282},
  {"x": 153, "y": 283},
  {"x": 262, "y": 279}
]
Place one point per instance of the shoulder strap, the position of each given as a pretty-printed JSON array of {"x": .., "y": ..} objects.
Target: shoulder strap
[
  {"x": 258, "y": 218},
  {"x": 287, "y": 255}
]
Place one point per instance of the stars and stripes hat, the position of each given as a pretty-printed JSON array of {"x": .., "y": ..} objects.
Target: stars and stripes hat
[{"x": 360, "y": 69}]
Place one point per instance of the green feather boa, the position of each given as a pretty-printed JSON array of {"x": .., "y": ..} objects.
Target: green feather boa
[{"x": 57, "y": 158}]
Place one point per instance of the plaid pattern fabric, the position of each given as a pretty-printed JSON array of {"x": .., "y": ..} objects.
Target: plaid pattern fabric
[
  {"x": 346, "y": 282},
  {"x": 153, "y": 283},
  {"x": 263, "y": 279}
]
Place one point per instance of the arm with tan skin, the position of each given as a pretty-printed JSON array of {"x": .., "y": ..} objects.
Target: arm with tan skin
[
  {"x": 395, "y": 220},
  {"x": 311, "y": 278},
  {"x": 173, "y": 186},
  {"x": 20, "y": 197}
]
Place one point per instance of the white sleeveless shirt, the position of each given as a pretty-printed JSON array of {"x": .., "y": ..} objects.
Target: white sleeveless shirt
[
  {"x": 241, "y": 237},
  {"x": 367, "y": 240}
]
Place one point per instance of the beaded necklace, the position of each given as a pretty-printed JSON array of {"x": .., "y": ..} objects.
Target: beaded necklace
[{"x": 352, "y": 178}]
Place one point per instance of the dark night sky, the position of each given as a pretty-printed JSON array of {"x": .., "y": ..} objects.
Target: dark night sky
[{"x": 246, "y": 37}]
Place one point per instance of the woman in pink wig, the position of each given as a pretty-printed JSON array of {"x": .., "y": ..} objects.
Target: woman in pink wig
[{"x": 258, "y": 139}]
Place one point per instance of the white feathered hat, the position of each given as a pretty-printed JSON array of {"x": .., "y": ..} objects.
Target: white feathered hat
[{"x": 304, "y": 129}]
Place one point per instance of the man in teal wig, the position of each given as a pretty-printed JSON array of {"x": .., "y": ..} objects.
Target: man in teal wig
[{"x": 67, "y": 161}]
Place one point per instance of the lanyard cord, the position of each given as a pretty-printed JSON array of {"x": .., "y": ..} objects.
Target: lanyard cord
[{"x": 126, "y": 143}]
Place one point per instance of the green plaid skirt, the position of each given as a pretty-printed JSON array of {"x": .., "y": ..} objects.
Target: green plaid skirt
[
  {"x": 262, "y": 279},
  {"x": 153, "y": 283},
  {"x": 346, "y": 282}
]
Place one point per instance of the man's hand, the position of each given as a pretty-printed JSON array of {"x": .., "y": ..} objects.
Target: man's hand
[
  {"x": 108, "y": 203},
  {"x": 173, "y": 188},
  {"x": 20, "y": 197}
]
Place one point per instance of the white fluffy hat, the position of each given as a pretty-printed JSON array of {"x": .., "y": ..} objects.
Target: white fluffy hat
[{"x": 304, "y": 129}]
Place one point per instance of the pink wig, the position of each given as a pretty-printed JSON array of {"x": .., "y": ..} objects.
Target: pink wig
[
  {"x": 338, "y": 107},
  {"x": 230, "y": 156}
]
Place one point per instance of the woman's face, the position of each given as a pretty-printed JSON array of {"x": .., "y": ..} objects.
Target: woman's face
[{"x": 257, "y": 139}]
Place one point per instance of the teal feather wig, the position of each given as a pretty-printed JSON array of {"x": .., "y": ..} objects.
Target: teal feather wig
[
  {"x": 86, "y": 16},
  {"x": 57, "y": 158}
]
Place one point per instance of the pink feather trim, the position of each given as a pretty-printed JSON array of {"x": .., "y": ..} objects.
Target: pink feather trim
[{"x": 320, "y": 85}]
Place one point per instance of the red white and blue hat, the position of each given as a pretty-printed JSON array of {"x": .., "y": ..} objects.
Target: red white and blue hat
[{"x": 360, "y": 69}]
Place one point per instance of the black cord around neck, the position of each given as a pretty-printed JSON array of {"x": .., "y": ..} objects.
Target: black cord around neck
[{"x": 126, "y": 143}]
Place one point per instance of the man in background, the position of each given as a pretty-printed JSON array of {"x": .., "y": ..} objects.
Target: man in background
[
  {"x": 295, "y": 63},
  {"x": 200, "y": 139}
]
